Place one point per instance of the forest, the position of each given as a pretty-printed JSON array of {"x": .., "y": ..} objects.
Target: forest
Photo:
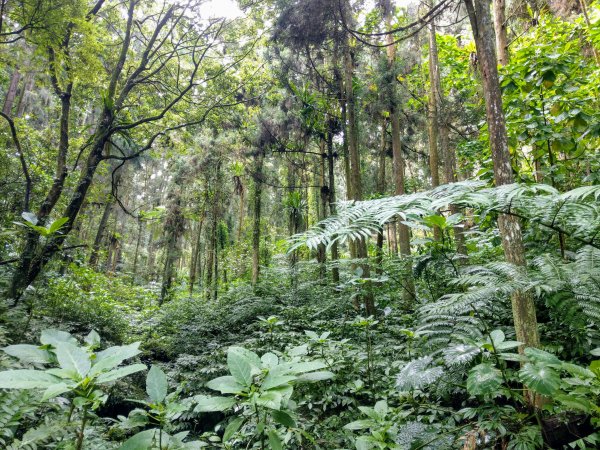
[{"x": 299, "y": 224}]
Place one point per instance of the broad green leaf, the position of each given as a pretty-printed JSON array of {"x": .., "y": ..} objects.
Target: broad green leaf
[
  {"x": 232, "y": 428},
  {"x": 156, "y": 384},
  {"x": 225, "y": 385},
  {"x": 316, "y": 376},
  {"x": 484, "y": 379},
  {"x": 270, "y": 399},
  {"x": 28, "y": 353},
  {"x": 460, "y": 354},
  {"x": 507, "y": 345},
  {"x": 497, "y": 337},
  {"x": 595, "y": 352},
  {"x": 308, "y": 366},
  {"x": 142, "y": 440},
  {"x": 213, "y": 404},
  {"x": 113, "y": 356},
  {"x": 29, "y": 217},
  {"x": 53, "y": 337},
  {"x": 239, "y": 366},
  {"x": 92, "y": 339},
  {"x": 57, "y": 225},
  {"x": 540, "y": 378},
  {"x": 283, "y": 418},
  {"x": 73, "y": 358},
  {"x": 27, "y": 379},
  {"x": 381, "y": 408},
  {"x": 274, "y": 440},
  {"x": 273, "y": 380},
  {"x": 55, "y": 390},
  {"x": 360, "y": 424},
  {"x": 120, "y": 373},
  {"x": 576, "y": 403},
  {"x": 269, "y": 360},
  {"x": 537, "y": 355}
]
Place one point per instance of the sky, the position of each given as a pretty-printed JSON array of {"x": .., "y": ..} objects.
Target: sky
[{"x": 220, "y": 8}]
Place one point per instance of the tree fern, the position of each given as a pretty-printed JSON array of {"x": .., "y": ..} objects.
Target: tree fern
[{"x": 575, "y": 213}]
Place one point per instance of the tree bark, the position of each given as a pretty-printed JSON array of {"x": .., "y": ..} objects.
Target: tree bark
[
  {"x": 523, "y": 307},
  {"x": 355, "y": 181},
  {"x": 408, "y": 292},
  {"x": 257, "y": 210},
  {"x": 501, "y": 31},
  {"x": 335, "y": 271},
  {"x": 11, "y": 93}
]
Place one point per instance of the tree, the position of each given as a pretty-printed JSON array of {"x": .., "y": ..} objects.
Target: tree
[{"x": 523, "y": 307}]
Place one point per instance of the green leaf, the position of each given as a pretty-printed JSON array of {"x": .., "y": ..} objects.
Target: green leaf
[
  {"x": 269, "y": 360},
  {"x": 225, "y": 385},
  {"x": 57, "y": 225},
  {"x": 540, "y": 378},
  {"x": 595, "y": 352},
  {"x": 73, "y": 358},
  {"x": 113, "y": 356},
  {"x": 92, "y": 339},
  {"x": 28, "y": 353},
  {"x": 142, "y": 440},
  {"x": 537, "y": 355},
  {"x": 156, "y": 384},
  {"x": 53, "y": 337},
  {"x": 232, "y": 428},
  {"x": 274, "y": 440},
  {"x": 381, "y": 408},
  {"x": 316, "y": 376},
  {"x": 120, "y": 373},
  {"x": 29, "y": 217},
  {"x": 270, "y": 399},
  {"x": 360, "y": 424},
  {"x": 214, "y": 404},
  {"x": 497, "y": 337},
  {"x": 55, "y": 390},
  {"x": 239, "y": 366},
  {"x": 283, "y": 418},
  {"x": 308, "y": 366},
  {"x": 26, "y": 379},
  {"x": 273, "y": 380},
  {"x": 484, "y": 379}
]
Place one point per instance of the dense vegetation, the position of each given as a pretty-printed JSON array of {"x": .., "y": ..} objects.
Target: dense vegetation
[{"x": 300, "y": 224}]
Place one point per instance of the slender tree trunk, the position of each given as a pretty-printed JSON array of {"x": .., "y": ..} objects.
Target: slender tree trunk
[
  {"x": 501, "y": 31},
  {"x": 108, "y": 206},
  {"x": 433, "y": 120},
  {"x": 23, "y": 99},
  {"x": 355, "y": 175},
  {"x": 196, "y": 253},
  {"x": 137, "y": 250},
  {"x": 324, "y": 198},
  {"x": 523, "y": 307},
  {"x": 335, "y": 271},
  {"x": 408, "y": 292},
  {"x": 11, "y": 93},
  {"x": 257, "y": 210}
]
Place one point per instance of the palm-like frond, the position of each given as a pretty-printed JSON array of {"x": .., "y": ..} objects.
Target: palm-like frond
[{"x": 575, "y": 213}]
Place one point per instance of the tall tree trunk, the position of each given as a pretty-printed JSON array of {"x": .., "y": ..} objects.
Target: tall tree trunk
[
  {"x": 433, "y": 120},
  {"x": 523, "y": 307},
  {"x": 196, "y": 253},
  {"x": 174, "y": 225},
  {"x": 322, "y": 211},
  {"x": 108, "y": 206},
  {"x": 355, "y": 175},
  {"x": 136, "y": 255},
  {"x": 501, "y": 31},
  {"x": 11, "y": 93},
  {"x": 257, "y": 210},
  {"x": 335, "y": 271},
  {"x": 408, "y": 292}
]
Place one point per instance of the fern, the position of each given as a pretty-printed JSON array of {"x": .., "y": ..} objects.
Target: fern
[{"x": 575, "y": 213}]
